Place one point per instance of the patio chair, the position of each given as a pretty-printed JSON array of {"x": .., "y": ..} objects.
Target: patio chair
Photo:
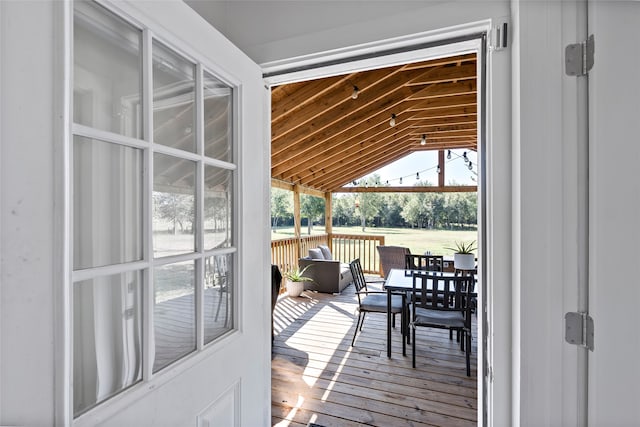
[
  {"x": 443, "y": 302},
  {"x": 375, "y": 302},
  {"x": 391, "y": 257},
  {"x": 423, "y": 262}
]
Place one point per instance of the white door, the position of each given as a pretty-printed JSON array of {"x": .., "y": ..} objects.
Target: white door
[
  {"x": 614, "y": 191},
  {"x": 169, "y": 306}
]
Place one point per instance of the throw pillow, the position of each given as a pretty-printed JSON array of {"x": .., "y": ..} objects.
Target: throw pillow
[
  {"x": 326, "y": 253},
  {"x": 315, "y": 254}
]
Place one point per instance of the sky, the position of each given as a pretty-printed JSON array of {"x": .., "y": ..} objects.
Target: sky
[{"x": 425, "y": 163}]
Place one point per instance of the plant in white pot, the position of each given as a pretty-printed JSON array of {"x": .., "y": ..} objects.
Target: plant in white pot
[
  {"x": 295, "y": 281},
  {"x": 463, "y": 257}
]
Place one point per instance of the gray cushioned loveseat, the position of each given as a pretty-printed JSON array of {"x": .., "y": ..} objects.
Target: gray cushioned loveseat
[{"x": 327, "y": 275}]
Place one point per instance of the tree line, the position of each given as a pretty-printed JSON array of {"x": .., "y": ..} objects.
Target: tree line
[{"x": 409, "y": 210}]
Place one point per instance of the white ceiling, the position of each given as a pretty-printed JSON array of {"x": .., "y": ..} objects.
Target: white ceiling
[{"x": 274, "y": 30}]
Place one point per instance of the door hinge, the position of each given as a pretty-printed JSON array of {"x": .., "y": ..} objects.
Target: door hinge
[
  {"x": 498, "y": 36},
  {"x": 578, "y": 57},
  {"x": 578, "y": 329}
]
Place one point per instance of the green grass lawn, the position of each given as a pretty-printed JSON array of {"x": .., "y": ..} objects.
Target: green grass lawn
[{"x": 418, "y": 240}]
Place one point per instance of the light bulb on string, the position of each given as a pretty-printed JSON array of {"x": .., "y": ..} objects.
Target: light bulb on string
[
  {"x": 423, "y": 141},
  {"x": 400, "y": 180},
  {"x": 470, "y": 165},
  {"x": 438, "y": 169},
  {"x": 464, "y": 156},
  {"x": 355, "y": 183},
  {"x": 392, "y": 122},
  {"x": 449, "y": 155},
  {"x": 417, "y": 175},
  {"x": 354, "y": 94}
]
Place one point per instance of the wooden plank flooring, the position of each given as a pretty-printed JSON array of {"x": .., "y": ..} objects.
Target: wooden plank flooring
[{"x": 317, "y": 377}]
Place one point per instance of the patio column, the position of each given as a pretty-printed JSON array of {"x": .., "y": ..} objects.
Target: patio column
[
  {"x": 296, "y": 216},
  {"x": 328, "y": 219},
  {"x": 441, "y": 164}
]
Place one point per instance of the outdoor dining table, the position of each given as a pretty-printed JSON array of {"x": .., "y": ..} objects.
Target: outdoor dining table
[{"x": 401, "y": 280}]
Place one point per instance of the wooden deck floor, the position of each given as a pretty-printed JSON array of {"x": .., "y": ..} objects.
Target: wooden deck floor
[{"x": 318, "y": 378}]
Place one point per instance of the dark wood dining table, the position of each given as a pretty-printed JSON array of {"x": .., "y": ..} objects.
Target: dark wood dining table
[{"x": 401, "y": 280}]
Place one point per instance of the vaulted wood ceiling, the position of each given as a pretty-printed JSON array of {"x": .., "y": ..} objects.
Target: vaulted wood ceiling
[{"x": 322, "y": 138}]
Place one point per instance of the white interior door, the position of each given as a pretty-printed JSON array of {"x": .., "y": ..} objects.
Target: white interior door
[{"x": 614, "y": 191}]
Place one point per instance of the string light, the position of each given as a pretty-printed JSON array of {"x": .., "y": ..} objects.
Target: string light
[
  {"x": 438, "y": 169},
  {"x": 423, "y": 141},
  {"x": 354, "y": 95},
  {"x": 392, "y": 122}
]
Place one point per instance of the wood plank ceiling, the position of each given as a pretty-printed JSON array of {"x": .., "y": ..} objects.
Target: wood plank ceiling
[{"x": 323, "y": 138}]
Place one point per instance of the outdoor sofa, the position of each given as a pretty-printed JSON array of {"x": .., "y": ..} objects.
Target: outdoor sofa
[{"x": 327, "y": 275}]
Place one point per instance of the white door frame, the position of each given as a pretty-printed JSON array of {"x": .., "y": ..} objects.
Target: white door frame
[{"x": 495, "y": 236}]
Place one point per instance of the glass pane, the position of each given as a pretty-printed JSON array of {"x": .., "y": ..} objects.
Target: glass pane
[
  {"x": 107, "y": 71},
  {"x": 174, "y": 313},
  {"x": 174, "y": 119},
  {"x": 217, "y": 119},
  {"x": 107, "y": 203},
  {"x": 107, "y": 337},
  {"x": 218, "y": 192},
  {"x": 218, "y": 296},
  {"x": 173, "y": 205}
]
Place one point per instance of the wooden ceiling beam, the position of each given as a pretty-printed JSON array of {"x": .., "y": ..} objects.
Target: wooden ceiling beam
[
  {"x": 447, "y": 74},
  {"x": 407, "y": 189},
  {"x": 354, "y": 127},
  {"x": 345, "y": 115},
  {"x": 334, "y": 103},
  {"x": 444, "y": 89},
  {"x": 276, "y": 183},
  {"x": 461, "y": 59},
  {"x": 285, "y": 100},
  {"x": 334, "y": 149}
]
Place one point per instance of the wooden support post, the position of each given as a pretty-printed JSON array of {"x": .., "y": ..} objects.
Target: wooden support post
[
  {"x": 441, "y": 164},
  {"x": 328, "y": 219},
  {"x": 296, "y": 216}
]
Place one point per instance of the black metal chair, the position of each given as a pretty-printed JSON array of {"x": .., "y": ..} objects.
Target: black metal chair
[
  {"x": 375, "y": 302},
  {"x": 443, "y": 302},
  {"x": 423, "y": 262},
  {"x": 276, "y": 282}
]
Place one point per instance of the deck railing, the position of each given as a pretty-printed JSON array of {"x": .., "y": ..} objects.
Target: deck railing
[{"x": 344, "y": 247}]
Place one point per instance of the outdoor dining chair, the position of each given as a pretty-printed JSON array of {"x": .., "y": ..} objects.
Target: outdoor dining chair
[
  {"x": 375, "y": 302},
  {"x": 423, "y": 262},
  {"x": 443, "y": 302}
]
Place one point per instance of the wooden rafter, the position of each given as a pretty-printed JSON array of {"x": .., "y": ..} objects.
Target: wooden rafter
[{"x": 323, "y": 139}]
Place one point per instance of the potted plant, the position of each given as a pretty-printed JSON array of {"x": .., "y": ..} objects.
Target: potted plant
[
  {"x": 463, "y": 257},
  {"x": 295, "y": 281}
]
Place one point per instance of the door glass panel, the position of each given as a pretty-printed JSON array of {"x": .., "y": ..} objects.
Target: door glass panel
[
  {"x": 217, "y": 119},
  {"x": 107, "y": 71},
  {"x": 107, "y": 203},
  {"x": 218, "y": 296},
  {"x": 218, "y": 184},
  {"x": 174, "y": 118},
  {"x": 107, "y": 331},
  {"x": 173, "y": 205},
  {"x": 174, "y": 312}
]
